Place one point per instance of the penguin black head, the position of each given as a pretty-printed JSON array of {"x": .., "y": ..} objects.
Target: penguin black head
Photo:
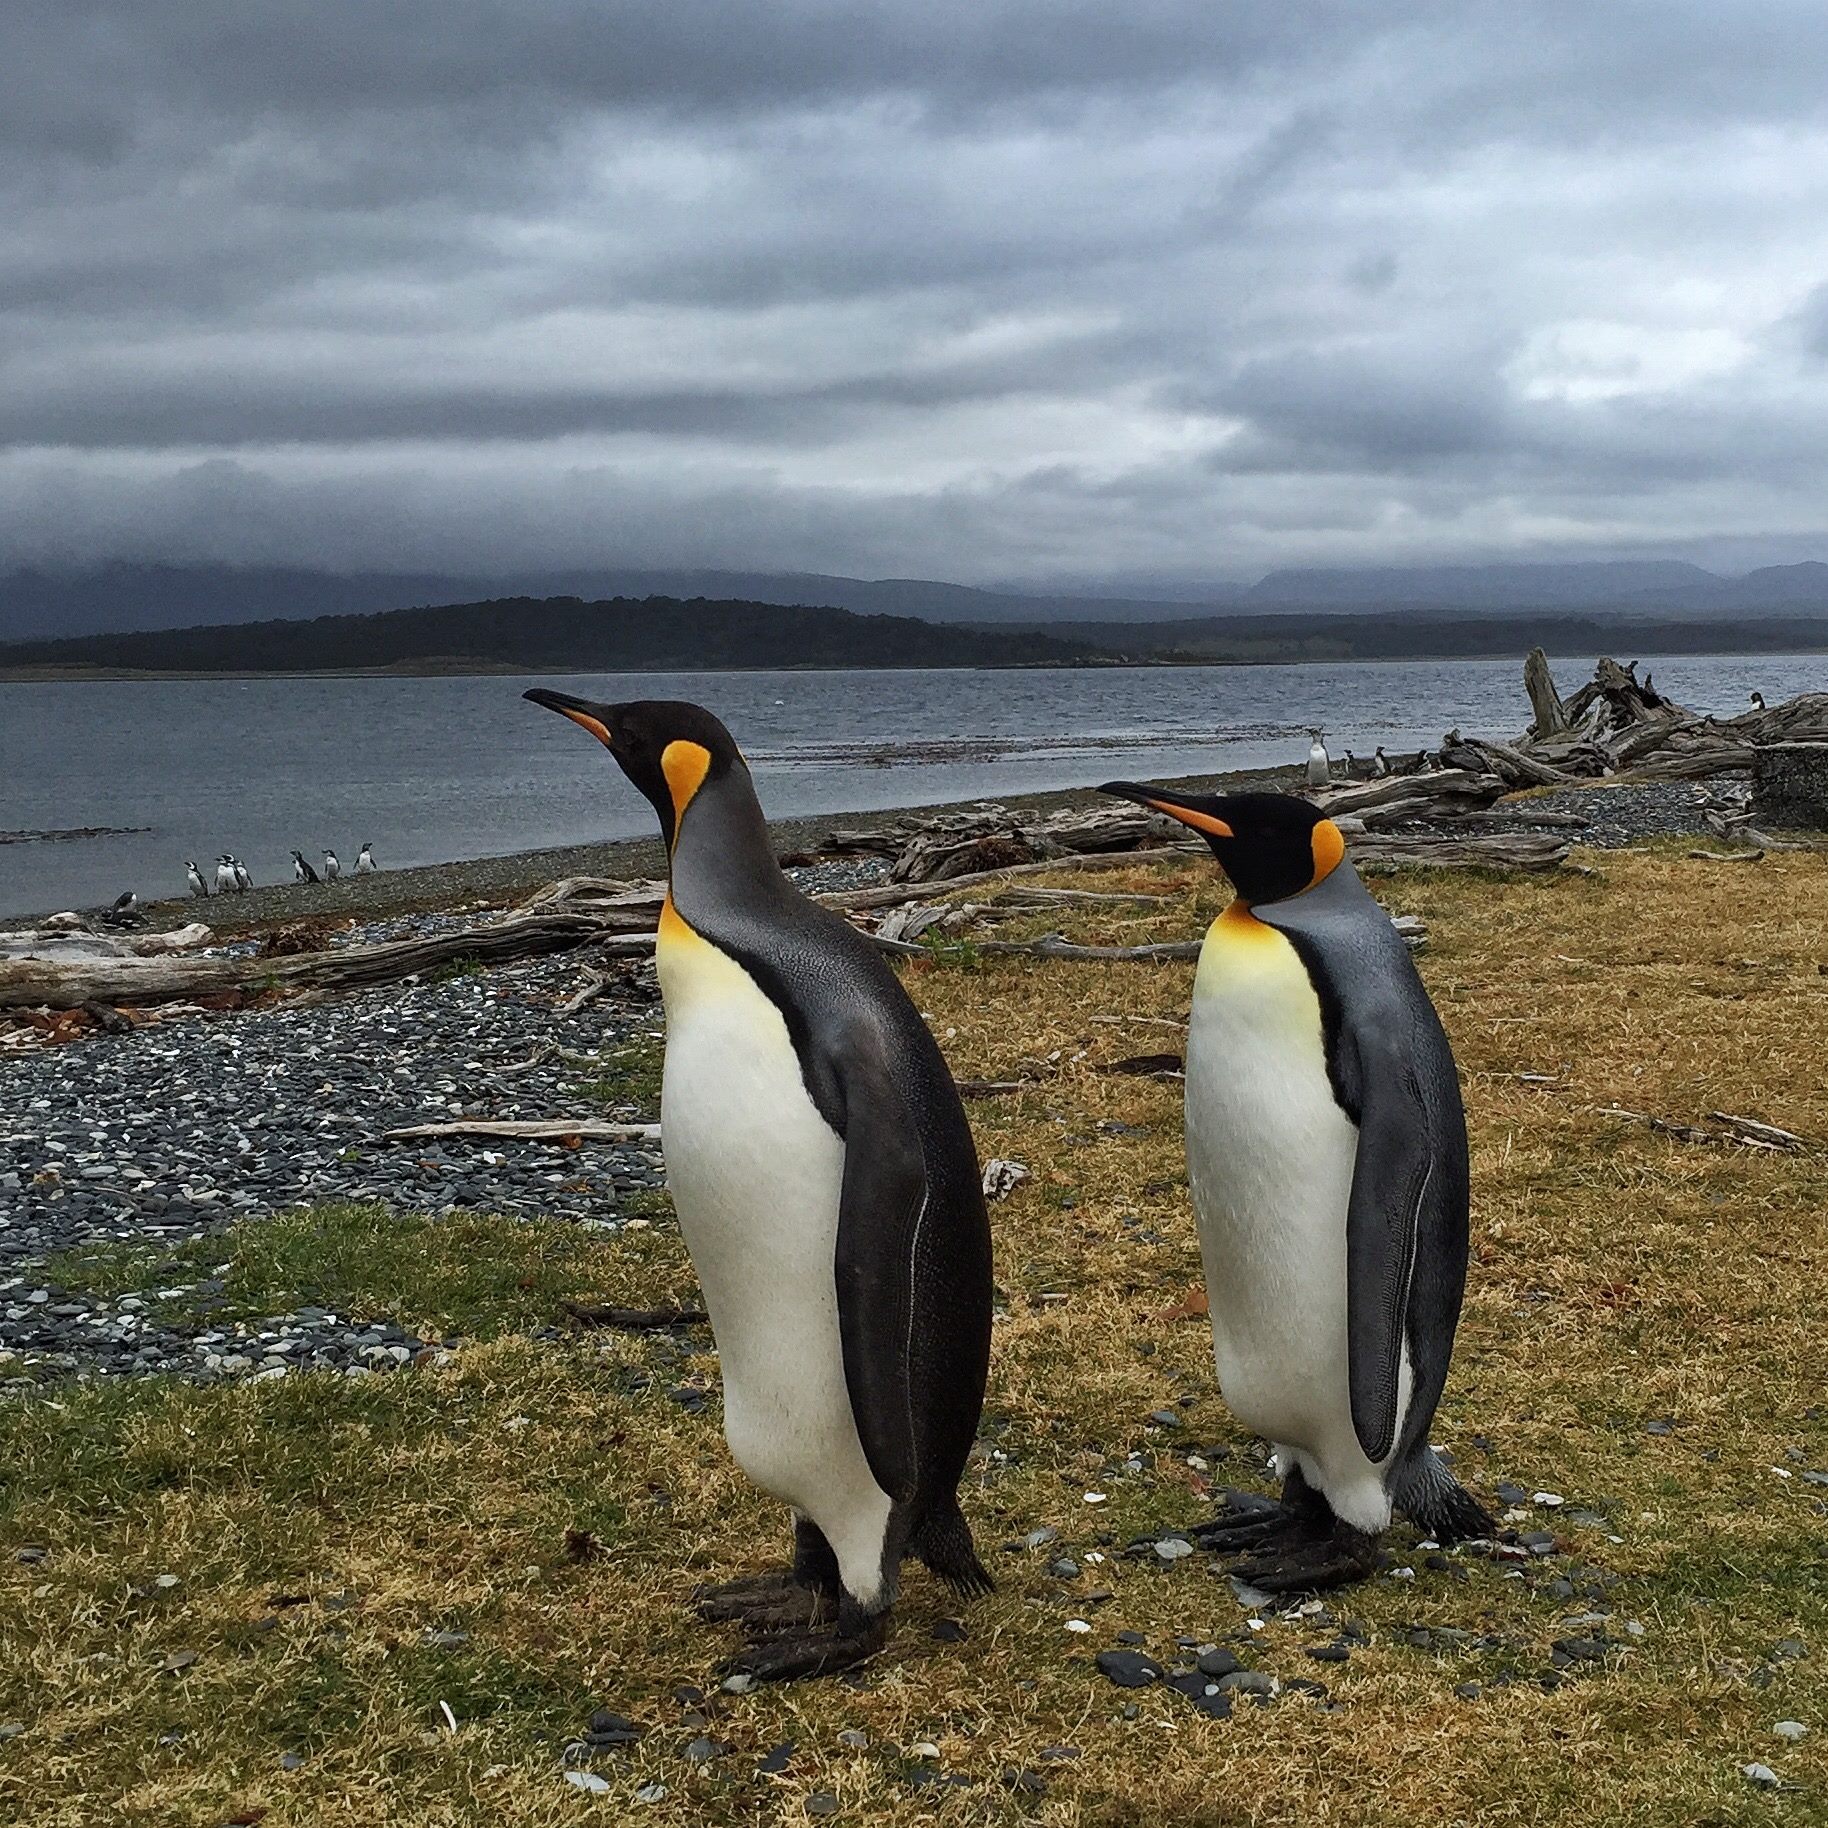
[
  {"x": 670, "y": 750},
  {"x": 1271, "y": 845}
]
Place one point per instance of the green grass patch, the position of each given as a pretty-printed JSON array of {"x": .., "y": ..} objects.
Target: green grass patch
[
  {"x": 1620, "y": 1276},
  {"x": 631, "y": 1074},
  {"x": 474, "y": 1274}
]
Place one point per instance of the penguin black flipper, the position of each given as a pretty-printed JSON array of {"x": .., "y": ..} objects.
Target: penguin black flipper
[
  {"x": 881, "y": 1205},
  {"x": 1407, "y": 1202}
]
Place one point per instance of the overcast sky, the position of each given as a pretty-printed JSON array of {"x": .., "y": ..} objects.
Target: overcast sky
[{"x": 1130, "y": 294}]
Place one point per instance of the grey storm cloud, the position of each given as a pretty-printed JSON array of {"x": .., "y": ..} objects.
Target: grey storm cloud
[{"x": 1055, "y": 292}]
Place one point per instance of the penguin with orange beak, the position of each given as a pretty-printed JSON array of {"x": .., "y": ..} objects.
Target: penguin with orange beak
[
  {"x": 1327, "y": 1158},
  {"x": 828, "y": 1189}
]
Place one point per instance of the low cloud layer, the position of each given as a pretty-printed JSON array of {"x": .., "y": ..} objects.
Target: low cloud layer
[{"x": 1041, "y": 292}]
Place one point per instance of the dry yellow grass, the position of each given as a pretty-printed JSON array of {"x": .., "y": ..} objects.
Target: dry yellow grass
[{"x": 1619, "y": 1276}]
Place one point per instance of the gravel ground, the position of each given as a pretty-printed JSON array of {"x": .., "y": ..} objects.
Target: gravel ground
[
  {"x": 179, "y": 1129},
  {"x": 1619, "y": 816}
]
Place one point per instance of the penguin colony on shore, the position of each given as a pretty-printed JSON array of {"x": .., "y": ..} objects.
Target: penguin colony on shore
[
  {"x": 828, "y": 1189},
  {"x": 232, "y": 876}
]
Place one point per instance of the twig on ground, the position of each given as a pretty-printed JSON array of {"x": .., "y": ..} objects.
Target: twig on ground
[
  {"x": 1747, "y": 1132},
  {"x": 633, "y": 1320},
  {"x": 595, "y": 983},
  {"x": 531, "y": 1130},
  {"x": 1051, "y": 945},
  {"x": 1749, "y": 1129}
]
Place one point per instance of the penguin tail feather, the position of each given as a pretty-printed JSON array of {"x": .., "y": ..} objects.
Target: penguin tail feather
[
  {"x": 942, "y": 1541},
  {"x": 1435, "y": 1501}
]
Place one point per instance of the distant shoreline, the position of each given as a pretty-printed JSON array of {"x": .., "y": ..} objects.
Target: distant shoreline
[
  {"x": 94, "y": 675},
  {"x": 500, "y": 881}
]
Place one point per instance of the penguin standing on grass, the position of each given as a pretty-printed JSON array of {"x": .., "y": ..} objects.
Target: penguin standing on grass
[
  {"x": 301, "y": 870},
  {"x": 365, "y": 864},
  {"x": 332, "y": 869},
  {"x": 1326, "y": 1151},
  {"x": 828, "y": 1189},
  {"x": 225, "y": 875}
]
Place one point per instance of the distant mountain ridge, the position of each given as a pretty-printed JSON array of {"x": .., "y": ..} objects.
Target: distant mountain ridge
[
  {"x": 557, "y": 635},
  {"x": 124, "y": 598},
  {"x": 1576, "y": 584}
]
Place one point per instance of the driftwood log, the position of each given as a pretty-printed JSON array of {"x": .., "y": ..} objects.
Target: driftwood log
[
  {"x": 1550, "y": 714},
  {"x": 68, "y": 984}
]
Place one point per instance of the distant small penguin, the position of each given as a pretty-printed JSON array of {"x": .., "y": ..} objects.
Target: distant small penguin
[
  {"x": 1380, "y": 764},
  {"x": 1758, "y": 701},
  {"x": 1353, "y": 766},
  {"x": 301, "y": 870},
  {"x": 194, "y": 877},
  {"x": 332, "y": 869},
  {"x": 828, "y": 1189},
  {"x": 365, "y": 864},
  {"x": 225, "y": 875},
  {"x": 1320, "y": 768},
  {"x": 1326, "y": 1153},
  {"x": 243, "y": 881}
]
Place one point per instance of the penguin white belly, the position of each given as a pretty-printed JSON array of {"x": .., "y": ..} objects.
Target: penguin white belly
[
  {"x": 755, "y": 1173},
  {"x": 1270, "y": 1158}
]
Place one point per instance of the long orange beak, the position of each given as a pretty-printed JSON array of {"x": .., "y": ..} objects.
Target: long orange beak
[
  {"x": 580, "y": 710},
  {"x": 1158, "y": 801}
]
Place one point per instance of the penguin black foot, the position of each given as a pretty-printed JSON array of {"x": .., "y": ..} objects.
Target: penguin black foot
[
  {"x": 796, "y": 1609},
  {"x": 1245, "y": 1520},
  {"x": 737, "y": 1599},
  {"x": 808, "y": 1653},
  {"x": 1249, "y": 1521},
  {"x": 1305, "y": 1561}
]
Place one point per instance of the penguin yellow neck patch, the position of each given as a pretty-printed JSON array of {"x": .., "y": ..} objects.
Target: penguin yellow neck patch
[
  {"x": 685, "y": 766},
  {"x": 1329, "y": 844},
  {"x": 1238, "y": 923}
]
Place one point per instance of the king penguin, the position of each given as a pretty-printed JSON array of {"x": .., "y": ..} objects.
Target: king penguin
[
  {"x": 1326, "y": 1152},
  {"x": 828, "y": 1190}
]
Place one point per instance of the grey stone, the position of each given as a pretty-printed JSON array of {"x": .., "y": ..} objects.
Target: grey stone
[{"x": 1790, "y": 786}]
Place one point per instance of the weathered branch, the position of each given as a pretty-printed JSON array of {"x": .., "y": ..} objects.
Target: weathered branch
[
  {"x": 1053, "y": 945},
  {"x": 633, "y": 1320},
  {"x": 891, "y": 894},
  {"x": 68, "y": 984},
  {"x": 531, "y": 1129}
]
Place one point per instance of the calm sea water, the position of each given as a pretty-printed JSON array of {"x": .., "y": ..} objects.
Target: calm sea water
[{"x": 434, "y": 770}]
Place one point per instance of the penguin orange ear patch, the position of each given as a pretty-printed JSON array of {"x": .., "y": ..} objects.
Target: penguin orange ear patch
[
  {"x": 1329, "y": 851},
  {"x": 685, "y": 766}
]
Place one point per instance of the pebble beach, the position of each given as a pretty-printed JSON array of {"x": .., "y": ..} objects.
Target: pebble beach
[{"x": 171, "y": 1132}]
